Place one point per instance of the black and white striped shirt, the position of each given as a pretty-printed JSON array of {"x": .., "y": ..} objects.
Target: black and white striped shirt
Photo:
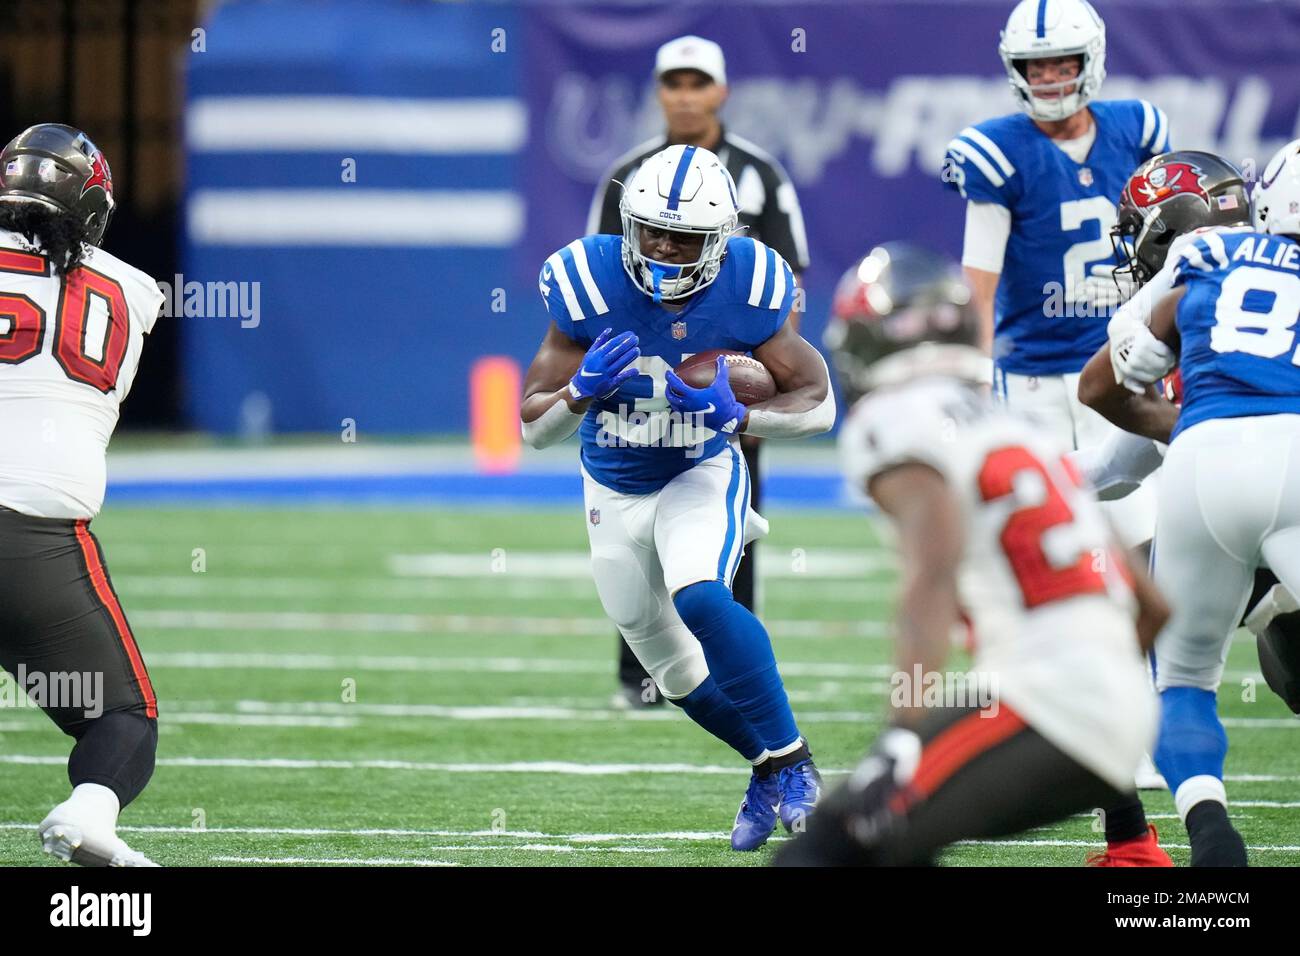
[{"x": 769, "y": 206}]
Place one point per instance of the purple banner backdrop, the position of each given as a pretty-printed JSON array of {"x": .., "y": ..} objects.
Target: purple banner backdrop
[{"x": 859, "y": 99}]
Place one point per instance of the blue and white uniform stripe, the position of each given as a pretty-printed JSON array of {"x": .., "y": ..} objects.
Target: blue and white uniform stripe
[
  {"x": 970, "y": 152},
  {"x": 582, "y": 298},
  {"x": 770, "y": 279},
  {"x": 737, "y": 503},
  {"x": 679, "y": 177},
  {"x": 1155, "y": 129}
]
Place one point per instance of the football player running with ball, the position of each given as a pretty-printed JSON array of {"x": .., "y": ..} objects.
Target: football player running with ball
[
  {"x": 1230, "y": 483},
  {"x": 666, "y": 489},
  {"x": 996, "y": 532},
  {"x": 1169, "y": 201},
  {"x": 75, "y": 319}
]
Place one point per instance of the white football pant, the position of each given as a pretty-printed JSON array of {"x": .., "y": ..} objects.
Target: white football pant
[
  {"x": 645, "y": 548},
  {"x": 1053, "y": 401},
  {"x": 1229, "y": 501}
]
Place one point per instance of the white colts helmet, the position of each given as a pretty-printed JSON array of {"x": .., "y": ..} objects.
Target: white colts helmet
[
  {"x": 1276, "y": 197},
  {"x": 681, "y": 189},
  {"x": 1051, "y": 28}
]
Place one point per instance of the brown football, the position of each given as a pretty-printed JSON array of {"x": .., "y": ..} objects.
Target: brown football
[{"x": 749, "y": 378}]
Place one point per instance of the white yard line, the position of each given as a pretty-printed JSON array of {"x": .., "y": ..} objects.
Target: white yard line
[
  {"x": 494, "y": 836},
  {"x": 802, "y": 564},
  {"x": 498, "y": 712},
  {"x": 290, "y": 763},
  {"x": 330, "y": 861},
  {"x": 200, "y": 660},
  {"x": 136, "y": 586},
  {"x": 541, "y": 766},
  {"x": 392, "y": 623},
  {"x": 262, "y": 720},
  {"x": 674, "y": 835},
  {"x": 552, "y": 848}
]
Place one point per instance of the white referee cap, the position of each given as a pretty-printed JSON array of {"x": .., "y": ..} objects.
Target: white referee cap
[{"x": 692, "y": 53}]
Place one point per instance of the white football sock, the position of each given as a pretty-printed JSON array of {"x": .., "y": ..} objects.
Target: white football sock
[
  {"x": 791, "y": 748},
  {"x": 94, "y": 803}
]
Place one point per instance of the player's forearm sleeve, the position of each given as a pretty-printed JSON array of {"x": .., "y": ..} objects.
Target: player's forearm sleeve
[
  {"x": 769, "y": 424},
  {"x": 553, "y": 425},
  {"x": 1116, "y": 467},
  {"x": 988, "y": 227}
]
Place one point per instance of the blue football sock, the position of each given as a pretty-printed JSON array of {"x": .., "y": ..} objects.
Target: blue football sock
[
  {"x": 1192, "y": 741},
  {"x": 713, "y": 710},
  {"x": 739, "y": 654}
]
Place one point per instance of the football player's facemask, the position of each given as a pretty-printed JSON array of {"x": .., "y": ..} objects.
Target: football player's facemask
[
  {"x": 60, "y": 168},
  {"x": 1170, "y": 195},
  {"x": 901, "y": 312},
  {"x": 1039, "y": 29},
  {"x": 679, "y": 190},
  {"x": 1277, "y": 194}
]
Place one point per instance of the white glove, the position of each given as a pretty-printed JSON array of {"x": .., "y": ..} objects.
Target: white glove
[
  {"x": 1138, "y": 357},
  {"x": 1106, "y": 290},
  {"x": 1101, "y": 293}
]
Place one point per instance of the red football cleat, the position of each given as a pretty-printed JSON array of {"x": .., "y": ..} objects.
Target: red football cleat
[{"x": 1142, "y": 851}]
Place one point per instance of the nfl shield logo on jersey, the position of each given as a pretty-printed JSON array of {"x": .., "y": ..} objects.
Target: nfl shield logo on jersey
[
  {"x": 594, "y": 515},
  {"x": 1085, "y": 176},
  {"x": 679, "y": 330}
]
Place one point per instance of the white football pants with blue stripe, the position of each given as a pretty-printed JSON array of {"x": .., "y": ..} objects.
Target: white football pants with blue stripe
[
  {"x": 1053, "y": 401},
  {"x": 645, "y": 548}
]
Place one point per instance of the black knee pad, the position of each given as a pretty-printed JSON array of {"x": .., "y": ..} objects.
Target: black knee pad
[
  {"x": 116, "y": 750},
  {"x": 1279, "y": 658}
]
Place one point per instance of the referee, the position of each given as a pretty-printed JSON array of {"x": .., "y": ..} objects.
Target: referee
[{"x": 691, "y": 74}]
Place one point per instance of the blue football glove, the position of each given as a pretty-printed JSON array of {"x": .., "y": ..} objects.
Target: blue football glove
[
  {"x": 607, "y": 365},
  {"x": 715, "y": 405}
]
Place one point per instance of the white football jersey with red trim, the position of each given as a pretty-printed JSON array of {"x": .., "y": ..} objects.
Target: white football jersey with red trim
[
  {"x": 69, "y": 349},
  {"x": 1041, "y": 579}
]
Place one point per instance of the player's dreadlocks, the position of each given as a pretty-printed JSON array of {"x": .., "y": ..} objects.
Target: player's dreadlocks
[{"x": 62, "y": 236}]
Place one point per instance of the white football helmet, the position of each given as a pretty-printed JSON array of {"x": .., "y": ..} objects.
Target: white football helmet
[
  {"x": 1276, "y": 198},
  {"x": 1051, "y": 28},
  {"x": 681, "y": 189}
]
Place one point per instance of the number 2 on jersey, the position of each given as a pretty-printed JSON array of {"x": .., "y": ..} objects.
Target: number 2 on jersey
[
  {"x": 1022, "y": 535},
  {"x": 89, "y": 348},
  {"x": 1074, "y": 214}
]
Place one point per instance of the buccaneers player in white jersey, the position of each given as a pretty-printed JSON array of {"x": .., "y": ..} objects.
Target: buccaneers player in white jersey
[
  {"x": 72, "y": 323},
  {"x": 998, "y": 538}
]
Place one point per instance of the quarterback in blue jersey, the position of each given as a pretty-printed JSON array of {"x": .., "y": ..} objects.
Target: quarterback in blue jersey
[
  {"x": 1041, "y": 188},
  {"x": 666, "y": 489},
  {"x": 1230, "y": 484}
]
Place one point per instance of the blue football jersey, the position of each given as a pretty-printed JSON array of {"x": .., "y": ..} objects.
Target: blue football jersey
[
  {"x": 632, "y": 441},
  {"x": 1046, "y": 321},
  {"x": 1237, "y": 327}
]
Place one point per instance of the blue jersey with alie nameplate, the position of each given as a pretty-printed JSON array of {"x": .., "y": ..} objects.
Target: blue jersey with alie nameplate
[
  {"x": 632, "y": 441},
  {"x": 1237, "y": 327},
  {"x": 1047, "y": 321}
]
